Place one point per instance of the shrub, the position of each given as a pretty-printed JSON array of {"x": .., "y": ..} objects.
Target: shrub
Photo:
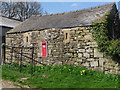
[{"x": 101, "y": 33}]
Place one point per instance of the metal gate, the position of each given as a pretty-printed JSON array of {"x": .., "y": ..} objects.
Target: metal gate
[
  {"x": 22, "y": 58},
  {"x": 19, "y": 57}
]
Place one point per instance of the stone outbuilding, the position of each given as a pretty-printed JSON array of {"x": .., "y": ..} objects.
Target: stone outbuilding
[
  {"x": 65, "y": 38},
  {"x": 6, "y": 25}
]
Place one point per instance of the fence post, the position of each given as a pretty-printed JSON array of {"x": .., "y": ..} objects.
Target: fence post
[
  {"x": 11, "y": 55},
  {"x": 21, "y": 59},
  {"x": 32, "y": 62},
  {"x": 2, "y": 59},
  {"x": 4, "y": 53}
]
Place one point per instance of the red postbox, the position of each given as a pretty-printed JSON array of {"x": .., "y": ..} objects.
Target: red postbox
[{"x": 44, "y": 49}]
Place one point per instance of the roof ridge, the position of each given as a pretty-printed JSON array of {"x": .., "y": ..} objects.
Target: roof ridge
[
  {"x": 10, "y": 18},
  {"x": 61, "y": 13},
  {"x": 81, "y": 17}
]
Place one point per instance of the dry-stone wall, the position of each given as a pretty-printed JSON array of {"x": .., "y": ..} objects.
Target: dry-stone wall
[{"x": 74, "y": 46}]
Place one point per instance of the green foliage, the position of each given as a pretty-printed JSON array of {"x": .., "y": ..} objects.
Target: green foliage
[
  {"x": 65, "y": 76},
  {"x": 101, "y": 32}
]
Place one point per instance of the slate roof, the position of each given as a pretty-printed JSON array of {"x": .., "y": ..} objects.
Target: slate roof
[
  {"x": 8, "y": 22},
  {"x": 62, "y": 20}
]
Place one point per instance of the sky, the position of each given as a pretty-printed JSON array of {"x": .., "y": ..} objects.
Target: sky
[{"x": 58, "y": 7}]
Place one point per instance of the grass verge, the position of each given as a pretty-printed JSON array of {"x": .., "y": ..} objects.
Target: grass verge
[{"x": 65, "y": 76}]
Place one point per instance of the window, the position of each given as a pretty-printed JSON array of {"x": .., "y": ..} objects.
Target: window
[
  {"x": 66, "y": 37},
  {"x": 27, "y": 39}
]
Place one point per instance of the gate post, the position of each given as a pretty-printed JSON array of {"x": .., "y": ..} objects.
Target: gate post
[
  {"x": 32, "y": 61},
  {"x": 11, "y": 54},
  {"x": 2, "y": 59},
  {"x": 21, "y": 53},
  {"x": 4, "y": 53}
]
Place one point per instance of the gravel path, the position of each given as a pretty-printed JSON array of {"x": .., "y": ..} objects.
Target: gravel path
[{"x": 8, "y": 84}]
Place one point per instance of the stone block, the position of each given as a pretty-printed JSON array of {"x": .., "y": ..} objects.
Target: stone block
[
  {"x": 81, "y": 50},
  {"x": 113, "y": 72},
  {"x": 81, "y": 28},
  {"x": 114, "y": 63},
  {"x": 106, "y": 72},
  {"x": 80, "y": 55},
  {"x": 80, "y": 39},
  {"x": 93, "y": 44},
  {"x": 88, "y": 37},
  {"x": 50, "y": 46},
  {"x": 87, "y": 55},
  {"x": 94, "y": 63},
  {"x": 97, "y": 53},
  {"x": 75, "y": 38},
  {"x": 86, "y": 31},
  {"x": 86, "y": 47},
  {"x": 101, "y": 61},
  {"x": 98, "y": 69},
  {"x": 88, "y": 43},
  {"x": 76, "y": 63},
  {"x": 80, "y": 36},
  {"x": 83, "y": 33},
  {"x": 71, "y": 50},
  {"x": 58, "y": 63},
  {"x": 75, "y": 55},
  {"x": 79, "y": 60},
  {"x": 70, "y": 62},
  {"x": 86, "y": 64},
  {"x": 89, "y": 50},
  {"x": 76, "y": 28},
  {"x": 90, "y": 59}
]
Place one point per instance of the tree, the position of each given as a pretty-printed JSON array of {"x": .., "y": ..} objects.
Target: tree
[
  {"x": 8, "y": 9},
  {"x": 21, "y": 10}
]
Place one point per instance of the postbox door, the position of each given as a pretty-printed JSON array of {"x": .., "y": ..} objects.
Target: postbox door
[{"x": 44, "y": 49}]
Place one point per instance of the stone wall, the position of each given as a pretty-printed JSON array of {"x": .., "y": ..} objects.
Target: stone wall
[{"x": 74, "y": 46}]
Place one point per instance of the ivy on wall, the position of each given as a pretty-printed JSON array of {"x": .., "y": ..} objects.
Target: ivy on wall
[{"x": 101, "y": 31}]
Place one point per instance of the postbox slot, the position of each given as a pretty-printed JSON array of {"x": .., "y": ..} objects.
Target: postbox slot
[{"x": 44, "y": 44}]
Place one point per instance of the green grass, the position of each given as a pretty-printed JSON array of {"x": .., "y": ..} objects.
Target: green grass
[{"x": 65, "y": 76}]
